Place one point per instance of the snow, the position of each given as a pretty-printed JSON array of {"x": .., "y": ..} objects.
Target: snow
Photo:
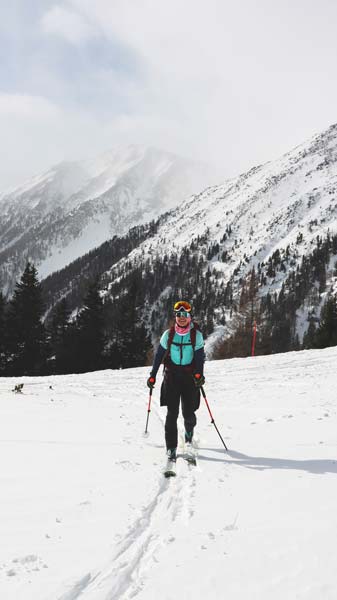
[
  {"x": 75, "y": 206},
  {"x": 265, "y": 209},
  {"x": 93, "y": 235},
  {"x": 86, "y": 513}
]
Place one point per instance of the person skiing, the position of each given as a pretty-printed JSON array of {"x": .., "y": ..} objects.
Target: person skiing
[{"x": 182, "y": 348}]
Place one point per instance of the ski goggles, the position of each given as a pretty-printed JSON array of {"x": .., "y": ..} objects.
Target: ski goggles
[
  {"x": 182, "y": 313},
  {"x": 182, "y": 305}
]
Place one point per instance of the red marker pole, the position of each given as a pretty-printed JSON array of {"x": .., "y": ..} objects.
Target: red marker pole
[{"x": 254, "y": 338}]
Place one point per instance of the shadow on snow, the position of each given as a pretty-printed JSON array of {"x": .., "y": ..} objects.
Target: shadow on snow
[{"x": 261, "y": 463}]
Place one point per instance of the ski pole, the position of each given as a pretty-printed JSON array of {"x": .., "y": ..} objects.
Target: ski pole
[
  {"x": 148, "y": 410},
  {"x": 212, "y": 420}
]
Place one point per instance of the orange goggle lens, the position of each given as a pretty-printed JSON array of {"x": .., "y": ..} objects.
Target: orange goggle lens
[{"x": 182, "y": 305}]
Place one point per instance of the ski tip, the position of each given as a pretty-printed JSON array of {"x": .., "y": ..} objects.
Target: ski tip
[{"x": 168, "y": 474}]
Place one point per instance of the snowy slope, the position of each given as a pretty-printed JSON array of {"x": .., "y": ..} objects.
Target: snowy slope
[
  {"x": 281, "y": 206},
  {"x": 86, "y": 514},
  {"x": 61, "y": 215},
  {"x": 266, "y": 208}
]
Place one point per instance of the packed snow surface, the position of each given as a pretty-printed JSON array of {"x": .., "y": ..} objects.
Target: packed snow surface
[{"x": 85, "y": 512}]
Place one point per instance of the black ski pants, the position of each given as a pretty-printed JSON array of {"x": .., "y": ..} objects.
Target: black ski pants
[{"x": 179, "y": 385}]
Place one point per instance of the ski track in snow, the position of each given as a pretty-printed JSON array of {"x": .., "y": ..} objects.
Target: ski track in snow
[
  {"x": 86, "y": 513},
  {"x": 128, "y": 568},
  {"x": 127, "y": 571}
]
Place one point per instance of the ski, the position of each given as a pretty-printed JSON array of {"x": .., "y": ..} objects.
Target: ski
[
  {"x": 170, "y": 469},
  {"x": 191, "y": 460},
  {"x": 190, "y": 454}
]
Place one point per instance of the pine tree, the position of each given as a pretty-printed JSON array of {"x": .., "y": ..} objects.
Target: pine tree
[
  {"x": 309, "y": 336},
  {"x": 25, "y": 333},
  {"x": 59, "y": 338},
  {"x": 91, "y": 334},
  {"x": 132, "y": 341},
  {"x": 326, "y": 334},
  {"x": 2, "y": 334},
  {"x": 209, "y": 325}
]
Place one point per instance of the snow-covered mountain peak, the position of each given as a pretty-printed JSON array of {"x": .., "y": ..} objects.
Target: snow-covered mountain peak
[
  {"x": 63, "y": 213},
  {"x": 285, "y": 203},
  {"x": 118, "y": 159}
]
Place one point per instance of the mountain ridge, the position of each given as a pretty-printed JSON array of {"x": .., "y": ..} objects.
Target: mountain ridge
[
  {"x": 276, "y": 224},
  {"x": 267, "y": 219},
  {"x": 73, "y": 207}
]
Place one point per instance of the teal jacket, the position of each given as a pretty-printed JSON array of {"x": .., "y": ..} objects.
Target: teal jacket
[{"x": 181, "y": 351}]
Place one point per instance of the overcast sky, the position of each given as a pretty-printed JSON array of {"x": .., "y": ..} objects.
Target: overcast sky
[{"x": 232, "y": 82}]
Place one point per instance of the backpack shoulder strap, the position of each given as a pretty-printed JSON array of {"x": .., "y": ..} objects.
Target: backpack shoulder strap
[
  {"x": 166, "y": 359},
  {"x": 194, "y": 333},
  {"x": 170, "y": 339}
]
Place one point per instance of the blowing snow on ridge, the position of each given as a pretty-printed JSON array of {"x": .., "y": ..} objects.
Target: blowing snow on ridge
[
  {"x": 60, "y": 215},
  {"x": 272, "y": 219},
  {"x": 266, "y": 207},
  {"x": 282, "y": 206}
]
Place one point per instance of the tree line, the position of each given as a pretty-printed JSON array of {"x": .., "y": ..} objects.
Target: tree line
[
  {"x": 66, "y": 343},
  {"x": 119, "y": 309},
  {"x": 305, "y": 293}
]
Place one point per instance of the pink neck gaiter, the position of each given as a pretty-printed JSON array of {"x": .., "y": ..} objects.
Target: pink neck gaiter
[{"x": 182, "y": 330}]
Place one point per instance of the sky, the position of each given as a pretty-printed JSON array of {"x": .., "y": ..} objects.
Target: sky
[{"x": 233, "y": 83}]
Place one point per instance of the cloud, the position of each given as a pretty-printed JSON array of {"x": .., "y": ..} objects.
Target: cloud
[
  {"x": 67, "y": 23},
  {"x": 232, "y": 83},
  {"x": 26, "y": 107},
  {"x": 239, "y": 83}
]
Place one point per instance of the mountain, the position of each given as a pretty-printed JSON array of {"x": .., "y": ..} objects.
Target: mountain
[
  {"x": 57, "y": 217},
  {"x": 267, "y": 223},
  {"x": 264, "y": 209},
  {"x": 86, "y": 513}
]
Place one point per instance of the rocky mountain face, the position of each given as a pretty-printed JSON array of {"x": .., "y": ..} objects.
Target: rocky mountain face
[
  {"x": 59, "y": 216},
  {"x": 271, "y": 220},
  {"x": 267, "y": 208},
  {"x": 260, "y": 246}
]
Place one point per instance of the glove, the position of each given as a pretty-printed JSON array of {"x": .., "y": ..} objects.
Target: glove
[
  {"x": 199, "y": 380},
  {"x": 151, "y": 382}
]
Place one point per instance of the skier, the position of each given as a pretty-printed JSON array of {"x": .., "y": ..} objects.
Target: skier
[{"x": 182, "y": 348}]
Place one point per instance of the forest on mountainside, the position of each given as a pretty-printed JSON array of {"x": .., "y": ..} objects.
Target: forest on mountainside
[
  {"x": 308, "y": 288},
  {"x": 122, "y": 313}
]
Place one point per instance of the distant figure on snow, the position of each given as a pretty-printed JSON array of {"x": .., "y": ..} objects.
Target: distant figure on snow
[{"x": 182, "y": 348}]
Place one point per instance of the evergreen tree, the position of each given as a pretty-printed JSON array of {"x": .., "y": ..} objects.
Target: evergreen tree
[
  {"x": 209, "y": 325},
  {"x": 2, "y": 334},
  {"x": 91, "y": 332},
  {"x": 132, "y": 341},
  {"x": 59, "y": 338},
  {"x": 281, "y": 338},
  {"x": 309, "y": 336},
  {"x": 264, "y": 338},
  {"x": 26, "y": 338},
  {"x": 326, "y": 334},
  {"x": 70, "y": 355}
]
